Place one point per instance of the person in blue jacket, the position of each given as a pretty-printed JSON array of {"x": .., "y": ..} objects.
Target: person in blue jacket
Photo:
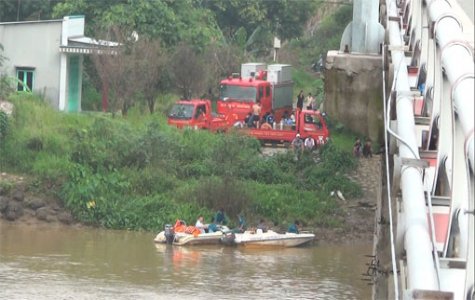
[
  {"x": 220, "y": 218},
  {"x": 294, "y": 228}
]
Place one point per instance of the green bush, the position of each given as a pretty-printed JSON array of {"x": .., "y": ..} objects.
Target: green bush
[
  {"x": 284, "y": 203},
  {"x": 51, "y": 168},
  {"x": 140, "y": 173}
]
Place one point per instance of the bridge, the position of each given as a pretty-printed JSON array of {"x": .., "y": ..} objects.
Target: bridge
[
  {"x": 429, "y": 120},
  {"x": 424, "y": 246}
]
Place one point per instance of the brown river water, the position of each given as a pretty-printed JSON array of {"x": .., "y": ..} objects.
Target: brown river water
[{"x": 57, "y": 262}]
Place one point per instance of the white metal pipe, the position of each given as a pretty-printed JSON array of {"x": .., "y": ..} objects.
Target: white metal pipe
[
  {"x": 457, "y": 61},
  {"x": 420, "y": 264},
  {"x": 388, "y": 180}
]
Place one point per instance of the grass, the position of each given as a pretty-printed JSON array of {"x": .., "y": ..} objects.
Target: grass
[{"x": 139, "y": 173}]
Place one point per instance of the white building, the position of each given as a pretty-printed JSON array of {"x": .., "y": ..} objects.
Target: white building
[{"x": 47, "y": 57}]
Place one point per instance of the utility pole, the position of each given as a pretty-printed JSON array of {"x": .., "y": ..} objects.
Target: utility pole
[
  {"x": 18, "y": 10},
  {"x": 276, "y": 47}
]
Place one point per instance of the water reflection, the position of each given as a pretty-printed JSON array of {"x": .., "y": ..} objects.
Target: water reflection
[{"x": 71, "y": 263}]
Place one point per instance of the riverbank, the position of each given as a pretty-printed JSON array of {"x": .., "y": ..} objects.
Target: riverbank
[{"x": 20, "y": 205}]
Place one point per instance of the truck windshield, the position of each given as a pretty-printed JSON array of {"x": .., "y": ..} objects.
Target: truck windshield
[
  {"x": 181, "y": 111},
  {"x": 237, "y": 93}
]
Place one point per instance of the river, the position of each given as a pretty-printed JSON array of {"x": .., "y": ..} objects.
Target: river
[{"x": 58, "y": 262}]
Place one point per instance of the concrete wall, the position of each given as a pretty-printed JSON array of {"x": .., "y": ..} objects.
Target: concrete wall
[
  {"x": 36, "y": 45},
  {"x": 353, "y": 93}
]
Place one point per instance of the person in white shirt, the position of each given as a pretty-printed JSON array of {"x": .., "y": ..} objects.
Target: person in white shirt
[
  {"x": 310, "y": 101},
  {"x": 309, "y": 143},
  {"x": 200, "y": 225}
]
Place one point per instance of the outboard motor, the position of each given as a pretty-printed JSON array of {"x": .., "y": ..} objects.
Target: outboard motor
[
  {"x": 169, "y": 233},
  {"x": 228, "y": 238}
]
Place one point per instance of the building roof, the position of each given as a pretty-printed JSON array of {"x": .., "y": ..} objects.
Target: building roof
[
  {"x": 31, "y": 22},
  {"x": 87, "y": 45},
  {"x": 73, "y": 39}
]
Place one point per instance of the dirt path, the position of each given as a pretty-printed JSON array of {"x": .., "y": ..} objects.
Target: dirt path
[{"x": 360, "y": 212}]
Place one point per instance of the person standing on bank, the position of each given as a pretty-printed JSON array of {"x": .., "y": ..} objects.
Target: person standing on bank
[
  {"x": 357, "y": 148},
  {"x": 297, "y": 146},
  {"x": 309, "y": 144},
  {"x": 300, "y": 99},
  {"x": 367, "y": 148}
]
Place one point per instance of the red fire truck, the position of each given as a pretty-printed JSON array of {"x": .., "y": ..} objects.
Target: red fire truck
[
  {"x": 271, "y": 86},
  {"x": 197, "y": 114}
]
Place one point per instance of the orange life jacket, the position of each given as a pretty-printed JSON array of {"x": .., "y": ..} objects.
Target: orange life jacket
[
  {"x": 179, "y": 227},
  {"x": 192, "y": 230}
]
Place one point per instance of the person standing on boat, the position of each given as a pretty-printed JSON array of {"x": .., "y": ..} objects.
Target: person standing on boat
[
  {"x": 294, "y": 228},
  {"x": 200, "y": 225},
  {"x": 220, "y": 218},
  {"x": 242, "y": 223}
]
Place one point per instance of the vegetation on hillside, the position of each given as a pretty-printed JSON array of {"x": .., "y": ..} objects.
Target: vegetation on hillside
[
  {"x": 135, "y": 172},
  {"x": 186, "y": 47},
  {"x": 139, "y": 173}
]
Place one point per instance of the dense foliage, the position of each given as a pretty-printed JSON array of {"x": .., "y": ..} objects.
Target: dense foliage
[
  {"x": 138, "y": 173},
  {"x": 185, "y": 47}
]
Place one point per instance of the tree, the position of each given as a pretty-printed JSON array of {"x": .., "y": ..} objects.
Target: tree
[
  {"x": 232, "y": 15},
  {"x": 18, "y": 10},
  {"x": 287, "y": 18},
  {"x": 222, "y": 60},
  {"x": 187, "y": 68},
  {"x": 169, "y": 21},
  {"x": 5, "y": 86},
  {"x": 130, "y": 69},
  {"x": 152, "y": 60},
  {"x": 252, "y": 24}
]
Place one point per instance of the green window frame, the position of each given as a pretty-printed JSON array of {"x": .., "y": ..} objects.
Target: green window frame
[{"x": 26, "y": 78}]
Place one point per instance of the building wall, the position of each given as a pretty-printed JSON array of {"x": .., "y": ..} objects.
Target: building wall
[
  {"x": 354, "y": 94},
  {"x": 35, "y": 44}
]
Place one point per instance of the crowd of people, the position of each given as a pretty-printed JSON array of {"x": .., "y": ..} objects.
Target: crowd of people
[{"x": 254, "y": 120}]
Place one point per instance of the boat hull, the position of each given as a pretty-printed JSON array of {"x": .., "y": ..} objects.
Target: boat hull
[
  {"x": 182, "y": 239},
  {"x": 273, "y": 239}
]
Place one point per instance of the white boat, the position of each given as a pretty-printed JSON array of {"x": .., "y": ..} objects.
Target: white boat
[
  {"x": 182, "y": 238},
  {"x": 272, "y": 239}
]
